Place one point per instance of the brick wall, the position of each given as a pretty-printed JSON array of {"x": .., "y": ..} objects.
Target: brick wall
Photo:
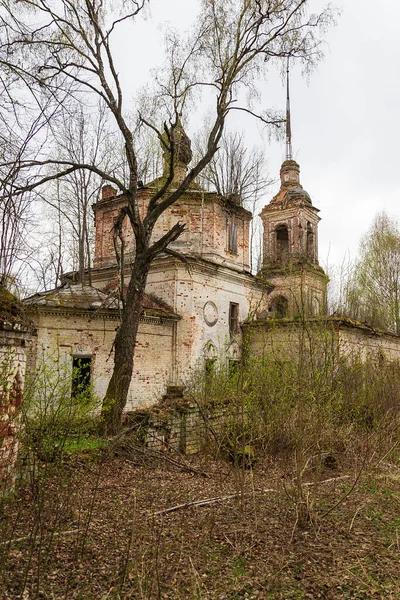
[
  {"x": 182, "y": 429},
  {"x": 283, "y": 339},
  {"x": 191, "y": 293},
  {"x": 80, "y": 334},
  {"x": 207, "y": 218},
  {"x": 305, "y": 288}
]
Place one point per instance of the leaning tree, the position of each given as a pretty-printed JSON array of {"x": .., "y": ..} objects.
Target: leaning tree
[{"x": 65, "y": 51}]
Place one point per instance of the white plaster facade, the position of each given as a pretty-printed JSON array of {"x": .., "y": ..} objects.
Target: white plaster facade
[{"x": 69, "y": 329}]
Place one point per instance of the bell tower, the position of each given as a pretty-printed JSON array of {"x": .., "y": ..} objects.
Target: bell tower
[{"x": 290, "y": 243}]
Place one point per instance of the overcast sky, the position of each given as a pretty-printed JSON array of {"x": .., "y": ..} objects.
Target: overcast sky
[{"x": 345, "y": 121}]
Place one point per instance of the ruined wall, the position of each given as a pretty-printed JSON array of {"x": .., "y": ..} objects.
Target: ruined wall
[
  {"x": 283, "y": 339},
  {"x": 368, "y": 342},
  {"x": 305, "y": 288},
  {"x": 182, "y": 427},
  {"x": 201, "y": 295},
  {"x": 80, "y": 334},
  {"x": 207, "y": 218}
]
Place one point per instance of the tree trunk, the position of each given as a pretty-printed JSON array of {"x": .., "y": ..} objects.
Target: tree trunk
[{"x": 124, "y": 348}]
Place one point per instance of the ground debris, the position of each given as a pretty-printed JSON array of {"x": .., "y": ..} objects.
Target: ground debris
[{"x": 94, "y": 532}]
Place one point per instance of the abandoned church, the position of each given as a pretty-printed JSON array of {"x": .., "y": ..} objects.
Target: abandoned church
[{"x": 196, "y": 312}]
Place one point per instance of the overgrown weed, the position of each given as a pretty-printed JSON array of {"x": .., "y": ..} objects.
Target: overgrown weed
[{"x": 310, "y": 407}]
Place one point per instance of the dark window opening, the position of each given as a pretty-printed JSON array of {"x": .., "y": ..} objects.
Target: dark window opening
[
  {"x": 210, "y": 367},
  {"x": 233, "y": 318},
  {"x": 282, "y": 244},
  {"x": 233, "y": 366},
  {"x": 232, "y": 237},
  {"x": 81, "y": 374},
  {"x": 280, "y": 307},
  {"x": 310, "y": 241}
]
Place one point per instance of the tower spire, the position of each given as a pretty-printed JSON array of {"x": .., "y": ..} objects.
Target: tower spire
[{"x": 289, "y": 155}]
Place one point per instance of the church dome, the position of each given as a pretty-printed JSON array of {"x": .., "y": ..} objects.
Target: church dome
[
  {"x": 291, "y": 192},
  {"x": 182, "y": 145}
]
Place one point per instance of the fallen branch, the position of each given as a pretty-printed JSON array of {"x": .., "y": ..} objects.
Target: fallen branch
[
  {"x": 397, "y": 442},
  {"x": 327, "y": 480},
  {"x": 194, "y": 503},
  {"x": 27, "y": 537},
  {"x": 181, "y": 464},
  {"x": 205, "y": 502}
]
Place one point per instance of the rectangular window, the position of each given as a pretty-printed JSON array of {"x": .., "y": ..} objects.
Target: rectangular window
[
  {"x": 233, "y": 366},
  {"x": 233, "y": 318},
  {"x": 81, "y": 374},
  {"x": 232, "y": 237}
]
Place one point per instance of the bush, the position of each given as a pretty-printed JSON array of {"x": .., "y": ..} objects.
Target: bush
[
  {"x": 310, "y": 401},
  {"x": 57, "y": 405}
]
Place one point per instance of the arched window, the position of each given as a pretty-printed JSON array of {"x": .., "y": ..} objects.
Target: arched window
[
  {"x": 279, "y": 307},
  {"x": 210, "y": 361},
  {"x": 282, "y": 244},
  {"x": 310, "y": 242},
  {"x": 316, "y": 307}
]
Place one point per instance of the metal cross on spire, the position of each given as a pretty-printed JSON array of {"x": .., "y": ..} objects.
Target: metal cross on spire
[{"x": 288, "y": 125}]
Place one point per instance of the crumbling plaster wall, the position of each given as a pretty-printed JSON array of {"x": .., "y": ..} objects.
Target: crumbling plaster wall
[
  {"x": 201, "y": 294},
  {"x": 82, "y": 334},
  {"x": 367, "y": 342},
  {"x": 284, "y": 338},
  {"x": 305, "y": 290}
]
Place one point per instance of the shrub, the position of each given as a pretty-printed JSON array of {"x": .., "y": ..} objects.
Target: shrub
[{"x": 57, "y": 405}]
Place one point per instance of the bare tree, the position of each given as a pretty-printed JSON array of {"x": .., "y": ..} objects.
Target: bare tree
[
  {"x": 72, "y": 46},
  {"x": 67, "y": 203},
  {"x": 235, "y": 170},
  {"x": 84, "y": 139},
  {"x": 241, "y": 174},
  {"x": 25, "y": 113},
  {"x": 16, "y": 216}
]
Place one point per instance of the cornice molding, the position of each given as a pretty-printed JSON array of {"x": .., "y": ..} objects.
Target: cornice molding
[{"x": 107, "y": 314}]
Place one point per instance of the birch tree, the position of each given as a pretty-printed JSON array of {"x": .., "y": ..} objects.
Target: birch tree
[{"x": 373, "y": 289}]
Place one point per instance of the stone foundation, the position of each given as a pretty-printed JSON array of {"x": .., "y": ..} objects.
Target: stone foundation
[{"x": 186, "y": 430}]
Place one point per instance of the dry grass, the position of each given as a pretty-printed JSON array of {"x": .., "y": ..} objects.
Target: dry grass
[{"x": 87, "y": 530}]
